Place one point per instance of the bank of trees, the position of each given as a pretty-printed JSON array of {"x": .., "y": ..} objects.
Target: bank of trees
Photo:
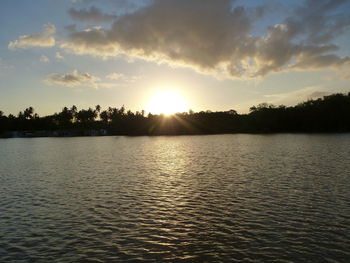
[{"x": 327, "y": 114}]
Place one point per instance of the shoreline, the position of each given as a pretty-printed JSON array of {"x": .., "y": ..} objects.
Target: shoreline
[{"x": 173, "y": 135}]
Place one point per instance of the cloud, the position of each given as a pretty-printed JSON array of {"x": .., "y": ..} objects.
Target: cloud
[
  {"x": 58, "y": 56},
  {"x": 133, "y": 79},
  {"x": 121, "y": 6},
  {"x": 44, "y": 58},
  {"x": 76, "y": 78},
  {"x": 42, "y": 39},
  {"x": 215, "y": 37},
  {"x": 71, "y": 28},
  {"x": 199, "y": 32},
  {"x": 115, "y": 76},
  {"x": 73, "y": 79},
  {"x": 91, "y": 15}
]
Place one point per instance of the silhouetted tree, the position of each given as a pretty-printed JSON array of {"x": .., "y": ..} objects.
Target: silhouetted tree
[
  {"x": 21, "y": 115},
  {"x": 74, "y": 110},
  {"x": 328, "y": 114},
  {"x": 65, "y": 117},
  {"x": 104, "y": 116},
  {"x": 98, "y": 108},
  {"x": 86, "y": 115},
  {"x": 28, "y": 113}
]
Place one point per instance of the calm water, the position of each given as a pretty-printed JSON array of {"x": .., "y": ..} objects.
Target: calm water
[{"x": 225, "y": 198}]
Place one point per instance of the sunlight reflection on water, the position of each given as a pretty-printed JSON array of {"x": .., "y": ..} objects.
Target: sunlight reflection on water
[{"x": 217, "y": 198}]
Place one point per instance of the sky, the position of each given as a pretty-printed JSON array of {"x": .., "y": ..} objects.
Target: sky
[{"x": 218, "y": 54}]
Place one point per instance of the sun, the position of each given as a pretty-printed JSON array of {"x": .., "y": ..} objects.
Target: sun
[{"x": 167, "y": 102}]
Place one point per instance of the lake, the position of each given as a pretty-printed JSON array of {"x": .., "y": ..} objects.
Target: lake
[{"x": 218, "y": 198}]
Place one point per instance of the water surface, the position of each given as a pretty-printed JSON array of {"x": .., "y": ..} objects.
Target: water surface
[{"x": 222, "y": 198}]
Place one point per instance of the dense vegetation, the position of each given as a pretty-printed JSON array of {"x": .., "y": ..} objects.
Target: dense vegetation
[{"x": 329, "y": 114}]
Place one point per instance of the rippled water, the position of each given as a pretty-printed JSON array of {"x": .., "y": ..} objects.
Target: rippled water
[{"x": 225, "y": 198}]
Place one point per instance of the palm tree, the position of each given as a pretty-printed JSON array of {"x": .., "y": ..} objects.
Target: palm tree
[
  {"x": 28, "y": 113},
  {"x": 121, "y": 111},
  {"x": 20, "y": 115},
  {"x": 98, "y": 108},
  {"x": 104, "y": 116},
  {"x": 74, "y": 111}
]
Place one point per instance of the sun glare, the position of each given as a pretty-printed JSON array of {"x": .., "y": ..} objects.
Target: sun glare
[{"x": 167, "y": 102}]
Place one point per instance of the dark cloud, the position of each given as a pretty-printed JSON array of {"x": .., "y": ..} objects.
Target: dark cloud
[
  {"x": 215, "y": 37},
  {"x": 90, "y": 15},
  {"x": 72, "y": 79},
  {"x": 71, "y": 28},
  {"x": 319, "y": 21},
  {"x": 120, "y": 6}
]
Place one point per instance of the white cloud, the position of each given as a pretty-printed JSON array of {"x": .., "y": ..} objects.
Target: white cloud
[
  {"x": 115, "y": 76},
  {"x": 42, "y": 39},
  {"x": 215, "y": 37},
  {"x": 44, "y": 58}
]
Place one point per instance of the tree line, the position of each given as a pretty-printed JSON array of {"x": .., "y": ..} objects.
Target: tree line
[{"x": 328, "y": 114}]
